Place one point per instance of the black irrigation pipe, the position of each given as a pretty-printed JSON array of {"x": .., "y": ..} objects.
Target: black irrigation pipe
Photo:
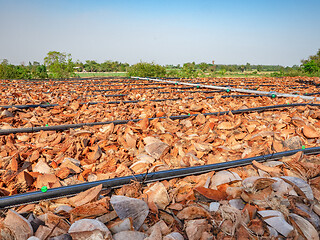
[
  {"x": 111, "y": 95},
  {"x": 125, "y": 102},
  {"x": 67, "y": 191},
  {"x": 29, "y": 106},
  {"x": 48, "y": 105},
  {"x": 308, "y": 82},
  {"x": 169, "y": 99},
  {"x": 117, "y": 122},
  {"x": 311, "y": 94},
  {"x": 130, "y": 89}
]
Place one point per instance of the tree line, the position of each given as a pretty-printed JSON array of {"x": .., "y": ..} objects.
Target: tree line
[{"x": 60, "y": 65}]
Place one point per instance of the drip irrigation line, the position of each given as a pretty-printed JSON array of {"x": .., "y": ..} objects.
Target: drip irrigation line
[
  {"x": 120, "y": 102},
  {"x": 130, "y": 89},
  {"x": 117, "y": 122},
  {"x": 308, "y": 82},
  {"x": 67, "y": 191},
  {"x": 234, "y": 89},
  {"x": 311, "y": 94},
  {"x": 29, "y": 106},
  {"x": 48, "y": 105}
]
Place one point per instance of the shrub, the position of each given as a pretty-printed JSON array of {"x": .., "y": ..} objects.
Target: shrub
[
  {"x": 60, "y": 65},
  {"x": 144, "y": 69},
  {"x": 312, "y": 65}
]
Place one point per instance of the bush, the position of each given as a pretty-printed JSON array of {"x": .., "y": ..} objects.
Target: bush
[
  {"x": 189, "y": 70},
  {"x": 312, "y": 65},
  {"x": 144, "y": 69},
  {"x": 60, "y": 65},
  {"x": 9, "y": 71}
]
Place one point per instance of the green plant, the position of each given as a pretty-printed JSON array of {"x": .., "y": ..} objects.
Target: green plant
[
  {"x": 59, "y": 65},
  {"x": 312, "y": 65},
  {"x": 144, "y": 69},
  {"x": 189, "y": 70},
  {"x": 9, "y": 71}
]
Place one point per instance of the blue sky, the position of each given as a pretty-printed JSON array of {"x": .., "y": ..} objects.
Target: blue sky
[{"x": 167, "y": 32}]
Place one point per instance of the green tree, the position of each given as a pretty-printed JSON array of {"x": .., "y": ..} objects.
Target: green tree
[
  {"x": 312, "y": 64},
  {"x": 189, "y": 70},
  {"x": 248, "y": 67},
  {"x": 91, "y": 66},
  {"x": 59, "y": 64},
  {"x": 37, "y": 70},
  {"x": 144, "y": 69},
  {"x": 9, "y": 71},
  {"x": 203, "y": 66}
]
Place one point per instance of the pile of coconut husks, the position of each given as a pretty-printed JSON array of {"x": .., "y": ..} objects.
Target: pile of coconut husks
[
  {"x": 276, "y": 199},
  {"x": 271, "y": 200}
]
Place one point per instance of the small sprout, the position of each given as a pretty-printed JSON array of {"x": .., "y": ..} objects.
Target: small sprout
[
  {"x": 44, "y": 189},
  {"x": 189, "y": 114},
  {"x": 303, "y": 147},
  {"x": 47, "y": 125}
]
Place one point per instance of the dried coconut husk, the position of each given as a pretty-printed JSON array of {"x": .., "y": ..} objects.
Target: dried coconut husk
[
  {"x": 19, "y": 226},
  {"x": 231, "y": 218},
  {"x": 207, "y": 194},
  {"x": 310, "y": 132},
  {"x": 254, "y": 184},
  {"x": 223, "y": 177},
  {"x": 304, "y": 227},
  {"x": 276, "y": 220},
  {"x": 133, "y": 208},
  {"x": 300, "y": 186},
  {"x": 89, "y": 229},
  {"x": 6, "y": 232}
]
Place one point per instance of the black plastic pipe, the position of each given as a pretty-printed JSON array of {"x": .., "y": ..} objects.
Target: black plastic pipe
[
  {"x": 130, "y": 89},
  {"x": 117, "y": 122},
  {"x": 29, "y": 106},
  {"x": 118, "y": 102},
  {"x": 67, "y": 191},
  {"x": 311, "y": 94}
]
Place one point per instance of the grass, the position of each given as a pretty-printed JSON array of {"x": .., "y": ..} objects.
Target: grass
[{"x": 101, "y": 74}]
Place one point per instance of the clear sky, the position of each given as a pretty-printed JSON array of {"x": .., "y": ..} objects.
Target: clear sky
[{"x": 166, "y": 32}]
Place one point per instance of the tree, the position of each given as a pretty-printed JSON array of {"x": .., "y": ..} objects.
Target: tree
[
  {"x": 144, "y": 69},
  {"x": 91, "y": 66},
  {"x": 203, "y": 66},
  {"x": 312, "y": 65},
  {"x": 189, "y": 70},
  {"x": 248, "y": 67},
  {"x": 59, "y": 64},
  {"x": 9, "y": 71}
]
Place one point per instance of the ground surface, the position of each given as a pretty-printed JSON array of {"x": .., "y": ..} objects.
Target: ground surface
[{"x": 237, "y": 203}]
